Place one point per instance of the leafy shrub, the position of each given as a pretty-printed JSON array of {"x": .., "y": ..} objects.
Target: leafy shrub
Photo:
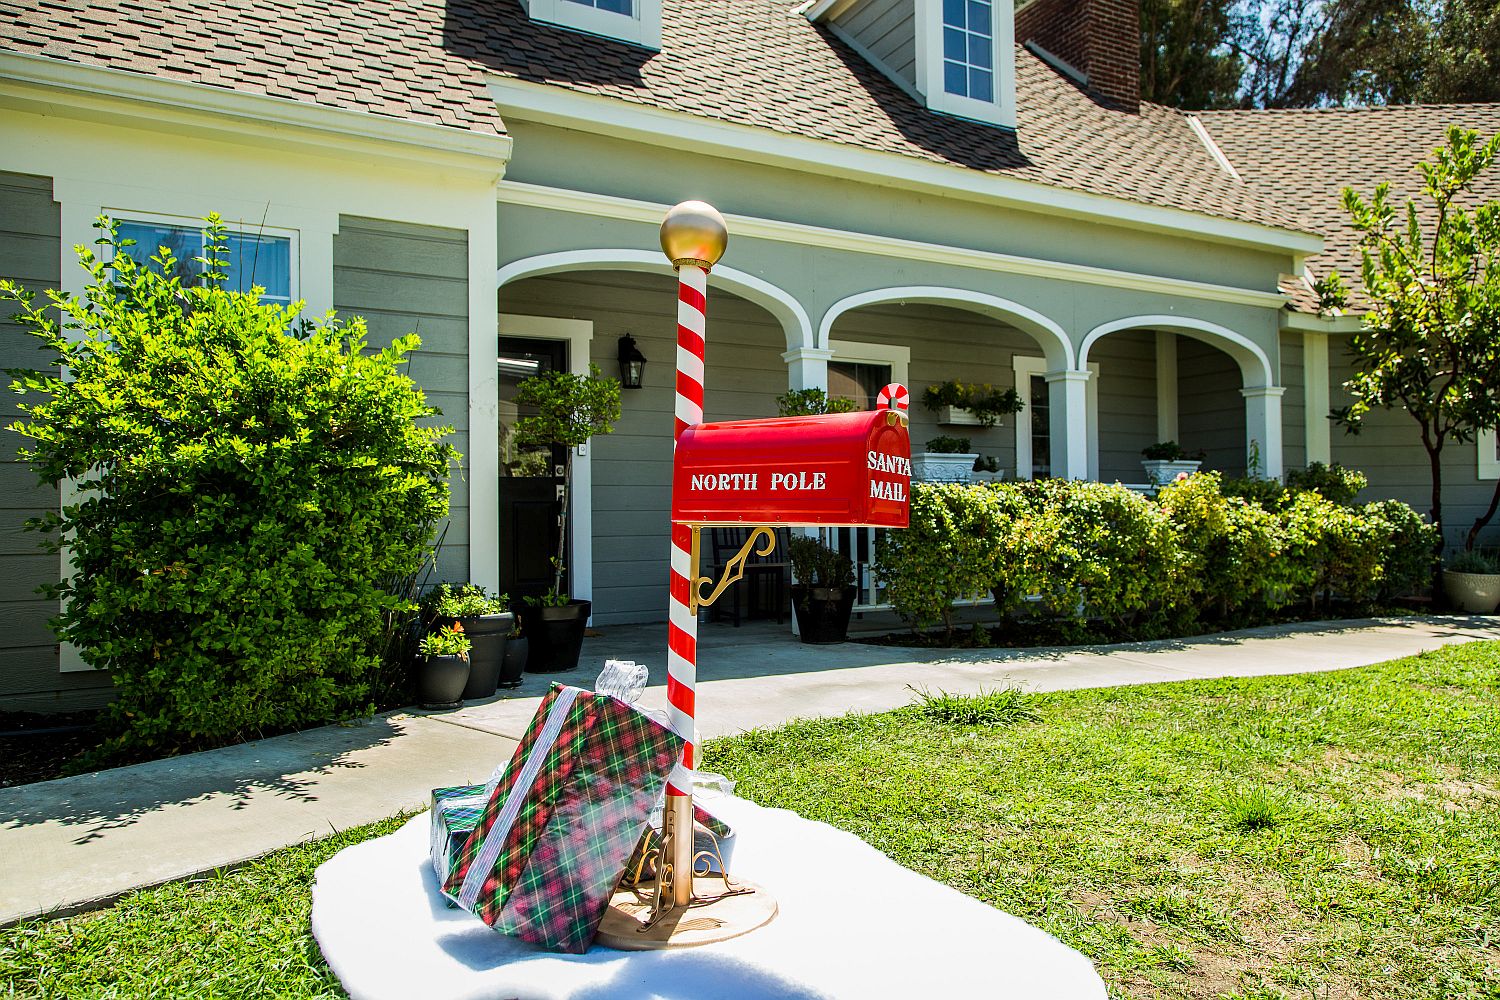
[
  {"x": 1169, "y": 451},
  {"x": 945, "y": 445},
  {"x": 812, "y": 402},
  {"x": 469, "y": 600},
  {"x": 1411, "y": 544},
  {"x": 1470, "y": 561},
  {"x": 946, "y": 554},
  {"x": 817, "y": 565},
  {"x": 984, "y": 401},
  {"x": 249, "y": 489},
  {"x": 1334, "y": 483},
  {"x": 450, "y": 641}
]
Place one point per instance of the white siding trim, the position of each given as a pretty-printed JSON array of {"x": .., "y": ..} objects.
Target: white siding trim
[
  {"x": 1255, "y": 365},
  {"x": 523, "y": 101},
  {"x": 1025, "y": 367},
  {"x": 802, "y": 235},
  {"x": 1489, "y": 461}
]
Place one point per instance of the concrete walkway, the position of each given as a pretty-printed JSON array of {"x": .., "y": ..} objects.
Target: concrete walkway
[{"x": 74, "y": 843}]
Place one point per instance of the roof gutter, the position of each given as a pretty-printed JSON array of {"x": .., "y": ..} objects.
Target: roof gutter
[
  {"x": 43, "y": 85},
  {"x": 623, "y": 119}
]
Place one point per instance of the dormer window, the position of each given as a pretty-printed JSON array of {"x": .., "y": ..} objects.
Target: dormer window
[
  {"x": 969, "y": 49},
  {"x": 635, "y": 21},
  {"x": 966, "y": 58}
]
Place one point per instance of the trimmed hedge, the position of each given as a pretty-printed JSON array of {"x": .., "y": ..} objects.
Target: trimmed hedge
[{"x": 1196, "y": 554}]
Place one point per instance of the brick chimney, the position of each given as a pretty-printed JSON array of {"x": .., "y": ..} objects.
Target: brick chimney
[{"x": 1099, "y": 38}]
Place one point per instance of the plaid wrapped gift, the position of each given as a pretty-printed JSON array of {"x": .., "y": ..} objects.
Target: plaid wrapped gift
[
  {"x": 711, "y": 835},
  {"x": 549, "y": 848},
  {"x": 455, "y": 813}
]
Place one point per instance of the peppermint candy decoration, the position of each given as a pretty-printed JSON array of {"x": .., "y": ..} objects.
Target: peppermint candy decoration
[{"x": 893, "y": 397}]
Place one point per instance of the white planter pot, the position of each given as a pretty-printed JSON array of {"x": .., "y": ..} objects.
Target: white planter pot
[
  {"x": 1476, "y": 593},
  {"x": 935, "y": 467},
  {"x": 957, "y": 416},
  {"x": 1162, "y": 471}
]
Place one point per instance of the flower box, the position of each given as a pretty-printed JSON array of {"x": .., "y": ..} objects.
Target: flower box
[
  {"x": 943, "y": 467},
  {"x": 957, "y": 416}
]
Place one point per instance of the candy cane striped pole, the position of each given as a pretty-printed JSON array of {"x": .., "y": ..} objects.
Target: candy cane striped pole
[{"x": 693, "y": 236}]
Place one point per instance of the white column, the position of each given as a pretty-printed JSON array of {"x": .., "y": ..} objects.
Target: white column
[
  {"x": 482, "y": 461},
  {"x": 807, "y": 367},
  {"x": 1263, "y": 428},
  {"x": 1067, "y": 395},
  {"x": 1166, "y": 386},
  {"x": 1315, "y": 397}
]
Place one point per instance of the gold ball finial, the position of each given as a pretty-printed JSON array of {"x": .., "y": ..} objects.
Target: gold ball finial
[{"x": 694, "y": 233}]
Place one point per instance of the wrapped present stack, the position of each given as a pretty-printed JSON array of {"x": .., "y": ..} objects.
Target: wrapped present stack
[{"x": 549, "y": 845}]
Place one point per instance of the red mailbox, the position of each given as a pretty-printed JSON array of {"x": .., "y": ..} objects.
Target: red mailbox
[{"x": 835, "y": 469}]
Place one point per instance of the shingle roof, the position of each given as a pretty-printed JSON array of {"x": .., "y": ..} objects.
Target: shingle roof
[
  {"x": 751, "y": 62},
  {"x": 1304, "y": 159}
]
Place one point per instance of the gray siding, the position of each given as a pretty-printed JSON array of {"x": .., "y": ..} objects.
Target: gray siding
[
  {"x": 405, "y": 278},
  {"x": 947, "y": 344},
  {"x": 1210, "y": 409},
  {"x": 887, "y": 31},
  {"x": 30, "y": 248},
  {"x": 1294, "y": 403},
  {"x": 1389, "y": 450},
  {"x": 632, "y": 467},
  {"x": 1127, "y": 402}
]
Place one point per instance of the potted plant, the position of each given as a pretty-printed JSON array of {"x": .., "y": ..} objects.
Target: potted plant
[
  {"x": 823, "y": 592},
  {"x": 1164, "y": 461},
  {"x": 970, "y": 404},
  {"x": 486, "y": 622},
  {"x": 812, "y": 402},
  {"x": 987, "y": 470},
  {"x": 1472, "y": 582},
  {"x": 567, "y": 410},
  {"x": 946, "y": 460},
  {"x": 444, "y": 668}
]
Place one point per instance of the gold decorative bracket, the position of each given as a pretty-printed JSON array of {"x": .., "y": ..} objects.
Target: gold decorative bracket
[{"x": 734, "y": 570}]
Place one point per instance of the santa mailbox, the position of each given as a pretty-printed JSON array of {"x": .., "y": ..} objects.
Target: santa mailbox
[{"x": 833, "y": 469}]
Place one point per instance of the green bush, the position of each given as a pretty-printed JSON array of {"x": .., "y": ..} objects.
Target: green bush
[
  {"x": 946, "y": 554},
  {"x": 1333, "y": 482},
  {"x": 1411, "y": 544},
  {"x": 250, "y": 487},
  {"x": 817, "y": 565}
]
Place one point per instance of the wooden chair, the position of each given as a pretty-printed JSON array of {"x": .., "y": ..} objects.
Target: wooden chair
[{"x": 762, "y": 591}]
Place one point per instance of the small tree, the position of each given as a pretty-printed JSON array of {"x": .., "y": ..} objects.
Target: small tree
[
  {"x": 570, "y": 409},
  {"x": 248, "y": 487},
  {"x": 1430, "y": 343}
]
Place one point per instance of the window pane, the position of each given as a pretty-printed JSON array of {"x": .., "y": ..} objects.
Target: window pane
[
  {"x": 261, "y": 260},
  {"x": 953, "y": 12},
  {"x": 979, "y": 85},
  {"x": 185, "y": 243},
  {"x": 955, "y": 79},
  {"x": 1041, "y": 429},
  {"x": 612, "y": 6},
  {"x": 979, "y": 16},
  {"x": 953, "y": 44},
  {"x": 858, "y": 381},
  {"x": 979, "y": 52}
]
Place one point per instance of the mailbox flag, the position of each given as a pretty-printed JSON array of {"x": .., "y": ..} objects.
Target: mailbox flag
[{"x": 893, "y": 397}]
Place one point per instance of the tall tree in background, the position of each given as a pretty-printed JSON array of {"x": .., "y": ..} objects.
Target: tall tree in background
[
  {"x": 1185, "y": 58},
  {"x": 1200, "y": 54}
]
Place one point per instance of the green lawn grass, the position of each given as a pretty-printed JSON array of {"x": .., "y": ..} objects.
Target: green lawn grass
[{"x": 1321, "y": 836}]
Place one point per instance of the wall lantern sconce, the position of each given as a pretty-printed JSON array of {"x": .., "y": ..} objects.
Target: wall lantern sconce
[{"x": 632, "y": 363}]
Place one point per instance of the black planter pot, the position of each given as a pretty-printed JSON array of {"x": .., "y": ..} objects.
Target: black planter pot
[
  {"x": 555, "y": 636},
  {"x": 487, "y": 635},
  {"x": 822, "y": 612},
  {"x": 515, "y": 661},
  {"x": 441, "y": 680}
]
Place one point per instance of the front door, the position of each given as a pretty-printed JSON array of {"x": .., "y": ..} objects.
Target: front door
[{"x": 530, "y": 476}]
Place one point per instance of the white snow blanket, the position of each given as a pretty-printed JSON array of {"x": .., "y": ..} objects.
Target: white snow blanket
[{"x": 887, "y": 932}]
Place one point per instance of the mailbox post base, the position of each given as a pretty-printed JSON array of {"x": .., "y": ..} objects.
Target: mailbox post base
[{"x": 628, "y": 923}]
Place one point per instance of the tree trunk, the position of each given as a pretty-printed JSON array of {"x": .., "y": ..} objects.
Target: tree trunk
[
  {"x": 1434, "y": 458},
  {"x": 1483, "y": 520},
  {"x": 562, "y": 524}
]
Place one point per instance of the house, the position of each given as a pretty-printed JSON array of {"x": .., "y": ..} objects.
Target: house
[{"x": 917, "y": 190}]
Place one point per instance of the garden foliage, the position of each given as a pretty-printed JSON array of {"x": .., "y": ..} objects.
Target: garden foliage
[
  {"x": 247, "y": 488},
  {"x": 1196, "y": 554}
]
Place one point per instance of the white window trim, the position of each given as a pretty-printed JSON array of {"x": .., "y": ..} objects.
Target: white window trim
[
  {"x": 1002, "y": 111},
  {"x": 1025, "y": 367},
  {"x": 1489, "y": 461},
  {"x": 579, "y": 335},
  {"x": 897, "y": 356},
  {"x": 642, "y": 28},
  {"x": 244, "y": 228}
]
